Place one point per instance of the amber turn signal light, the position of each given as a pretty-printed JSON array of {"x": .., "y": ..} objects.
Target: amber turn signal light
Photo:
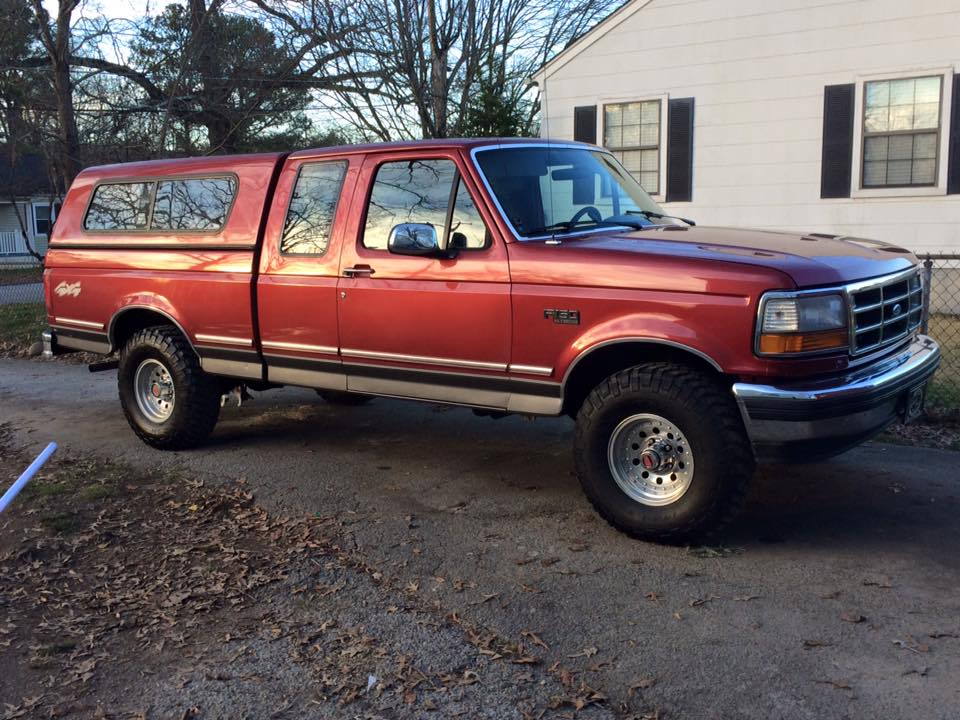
[{"x": 803, "y": 342}]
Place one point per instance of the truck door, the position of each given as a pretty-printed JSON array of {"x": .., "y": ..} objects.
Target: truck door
[
  {"x": 424, "y": 327},
  {"x": 299, "y": 268}
]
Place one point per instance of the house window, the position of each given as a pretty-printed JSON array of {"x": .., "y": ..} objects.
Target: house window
[
  {"x": 901, "y": 132},
  {"x": 42, "y": 219},
  {"x": 632, "y": 132}
]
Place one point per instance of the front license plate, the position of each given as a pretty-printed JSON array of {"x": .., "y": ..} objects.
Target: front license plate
[{"x": 913, "y": 403}]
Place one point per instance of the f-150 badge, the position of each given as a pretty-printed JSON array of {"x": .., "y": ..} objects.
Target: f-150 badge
[
  {"x": 65, "y": 288},
  {"x": 563, "y": 317}
]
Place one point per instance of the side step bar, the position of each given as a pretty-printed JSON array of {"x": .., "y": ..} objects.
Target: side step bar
[{"x": 103, "y": 365}]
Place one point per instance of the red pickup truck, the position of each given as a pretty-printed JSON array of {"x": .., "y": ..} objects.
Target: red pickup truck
[{"x": 510, "y": 276}]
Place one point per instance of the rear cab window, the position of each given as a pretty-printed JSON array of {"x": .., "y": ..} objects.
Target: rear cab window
[
  {"x": 313, "y": 207},
  {"x": 193, "y": 204}
]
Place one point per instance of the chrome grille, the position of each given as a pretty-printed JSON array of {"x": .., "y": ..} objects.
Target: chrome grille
[{"x": 884, "y": 310}]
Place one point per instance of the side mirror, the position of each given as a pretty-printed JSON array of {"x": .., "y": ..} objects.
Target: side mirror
[{"x": 418, "y": 239}]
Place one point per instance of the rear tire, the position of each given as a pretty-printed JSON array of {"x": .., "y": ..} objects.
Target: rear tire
[
  {"x": 339, "y": 397},
  {"x": 169, "y": 401},
  {"x": 662, "y": 454}
]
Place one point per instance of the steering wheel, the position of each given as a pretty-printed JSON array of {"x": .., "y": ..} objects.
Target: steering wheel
[{"x": 590, "y": 210}]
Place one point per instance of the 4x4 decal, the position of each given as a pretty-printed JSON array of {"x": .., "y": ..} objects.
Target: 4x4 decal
[{"x": 71, "y": 289}]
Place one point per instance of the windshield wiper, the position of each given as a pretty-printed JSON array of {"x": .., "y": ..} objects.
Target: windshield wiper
[
  {"x": 567, "y": 226},
  {"x": 659, "y": 216}
]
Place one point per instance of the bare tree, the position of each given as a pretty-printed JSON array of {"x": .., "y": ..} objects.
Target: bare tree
[
  {"x": 55, "y": 38},
  {"x": 418, "y": 64}
]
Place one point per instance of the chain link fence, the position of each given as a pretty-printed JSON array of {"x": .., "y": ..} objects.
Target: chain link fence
[
  {"x": 21, "y": 303},
  {"x": 942, "y": 323}
]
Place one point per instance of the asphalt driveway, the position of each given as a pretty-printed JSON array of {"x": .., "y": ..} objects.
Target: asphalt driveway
[{"x": 835, "y": 595}]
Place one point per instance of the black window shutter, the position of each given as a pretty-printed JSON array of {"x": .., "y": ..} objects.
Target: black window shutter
[
  {"x": 953, "y": 162},
  {"x": 680, "y": 150},
  {"x": 837, "y": 150},
  {"x": 585, "y": 124}
]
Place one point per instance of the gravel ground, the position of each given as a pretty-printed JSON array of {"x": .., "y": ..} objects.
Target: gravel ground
[{"x": 834, "y": 596}]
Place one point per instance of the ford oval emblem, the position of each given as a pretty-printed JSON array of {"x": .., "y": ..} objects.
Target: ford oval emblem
[{"x": 897, "y": 310}]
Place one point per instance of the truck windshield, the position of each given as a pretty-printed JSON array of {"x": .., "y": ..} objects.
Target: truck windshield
[{"x": 553, "y": 190}]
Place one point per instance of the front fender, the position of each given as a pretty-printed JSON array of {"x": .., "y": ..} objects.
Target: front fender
[{"x": 719, "y": 342}]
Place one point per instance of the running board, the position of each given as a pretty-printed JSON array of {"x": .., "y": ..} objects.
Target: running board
[{"x": 103, "y": 365}]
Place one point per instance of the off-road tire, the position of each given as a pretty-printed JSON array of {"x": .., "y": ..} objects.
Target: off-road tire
[
  {"x": 708, "y": 415},
  {"x": 197, "y": 394},
  {"x": 339, "y": 397}
]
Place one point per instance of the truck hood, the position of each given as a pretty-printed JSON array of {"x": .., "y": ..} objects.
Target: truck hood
[{"x": 810, "y": 260}]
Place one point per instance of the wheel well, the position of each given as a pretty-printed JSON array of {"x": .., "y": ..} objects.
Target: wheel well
[
  {"x": 127, "y": 322},
  {"x": 603, "y": 362}
]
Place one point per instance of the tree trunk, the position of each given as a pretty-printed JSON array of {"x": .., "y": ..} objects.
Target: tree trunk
[
  {"x": 221, "y": 133},
  {"x": 69, "y": 162},
  {"x": 57, "y": 45},
  {"x": 438, "y": 76}
]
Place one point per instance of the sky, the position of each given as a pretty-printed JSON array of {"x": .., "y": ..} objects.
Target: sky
[{"x": 112, "y": 8}]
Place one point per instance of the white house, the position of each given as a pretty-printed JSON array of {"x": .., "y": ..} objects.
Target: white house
[
  {"x": 26, "y": 204},
  {"x": 815, "y": 115}
]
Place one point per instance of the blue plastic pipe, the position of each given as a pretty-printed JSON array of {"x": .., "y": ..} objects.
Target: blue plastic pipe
[{"x": 27, "y": 475}]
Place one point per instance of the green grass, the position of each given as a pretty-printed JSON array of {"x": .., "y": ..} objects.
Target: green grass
[
  {"x": 64, "y": 522},
  {"x": 21, "y": 324},
  {"x": 944, "y": 391},
  {"x": 92, "y": 493}
]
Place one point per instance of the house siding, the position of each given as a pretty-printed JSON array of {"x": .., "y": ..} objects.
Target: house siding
[
  {"x": 12, "y": 235},
  {"x": 757, "y": 71}
]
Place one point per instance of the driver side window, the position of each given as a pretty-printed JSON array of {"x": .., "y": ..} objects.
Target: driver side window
[{"x": 419, "y": 191}]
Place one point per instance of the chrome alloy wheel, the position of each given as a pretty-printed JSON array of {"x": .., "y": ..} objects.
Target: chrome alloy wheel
[
  {"x": 153, "y": 389},
  {"x": 650, "y": 459}
]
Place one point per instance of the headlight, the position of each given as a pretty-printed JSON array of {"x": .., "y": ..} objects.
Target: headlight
[{"x": 800, "y": 323}]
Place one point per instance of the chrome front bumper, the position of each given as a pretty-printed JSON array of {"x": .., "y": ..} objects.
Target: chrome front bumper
[{"x": 815, "y": 419}]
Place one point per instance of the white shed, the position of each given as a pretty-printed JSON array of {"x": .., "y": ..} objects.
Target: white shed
[{"x": 835, "y": 116}]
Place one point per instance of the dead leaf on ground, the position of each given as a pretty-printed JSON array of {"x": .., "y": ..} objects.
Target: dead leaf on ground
[
  {"x": 641, "y": 684},
  {"x": 746, "y": 598},
  {"x": 703, "y": 600},
  {"x": 817, "y": 643},
  {"x": 912, "y": 645},
  {"x": 852, "y": 617},
  {"x": 879, "y": 582},
  {"x": 586, "y": 652},
  {"x": 535, "y": 639},
  {"x": 485, "y": 599},
  {"x": 838, "y": 684}
]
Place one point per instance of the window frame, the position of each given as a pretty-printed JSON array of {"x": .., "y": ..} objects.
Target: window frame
[
  {"x": 939, "y": 186},
  {"x": 458, "y": 177},
  {"x": 664, "y": 101},
  {"x": 345, "y": 163},
  {"x": 153, "y": 181}
]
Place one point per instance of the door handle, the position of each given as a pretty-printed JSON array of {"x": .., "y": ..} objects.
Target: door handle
[{"x": 358, "y": 270}]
